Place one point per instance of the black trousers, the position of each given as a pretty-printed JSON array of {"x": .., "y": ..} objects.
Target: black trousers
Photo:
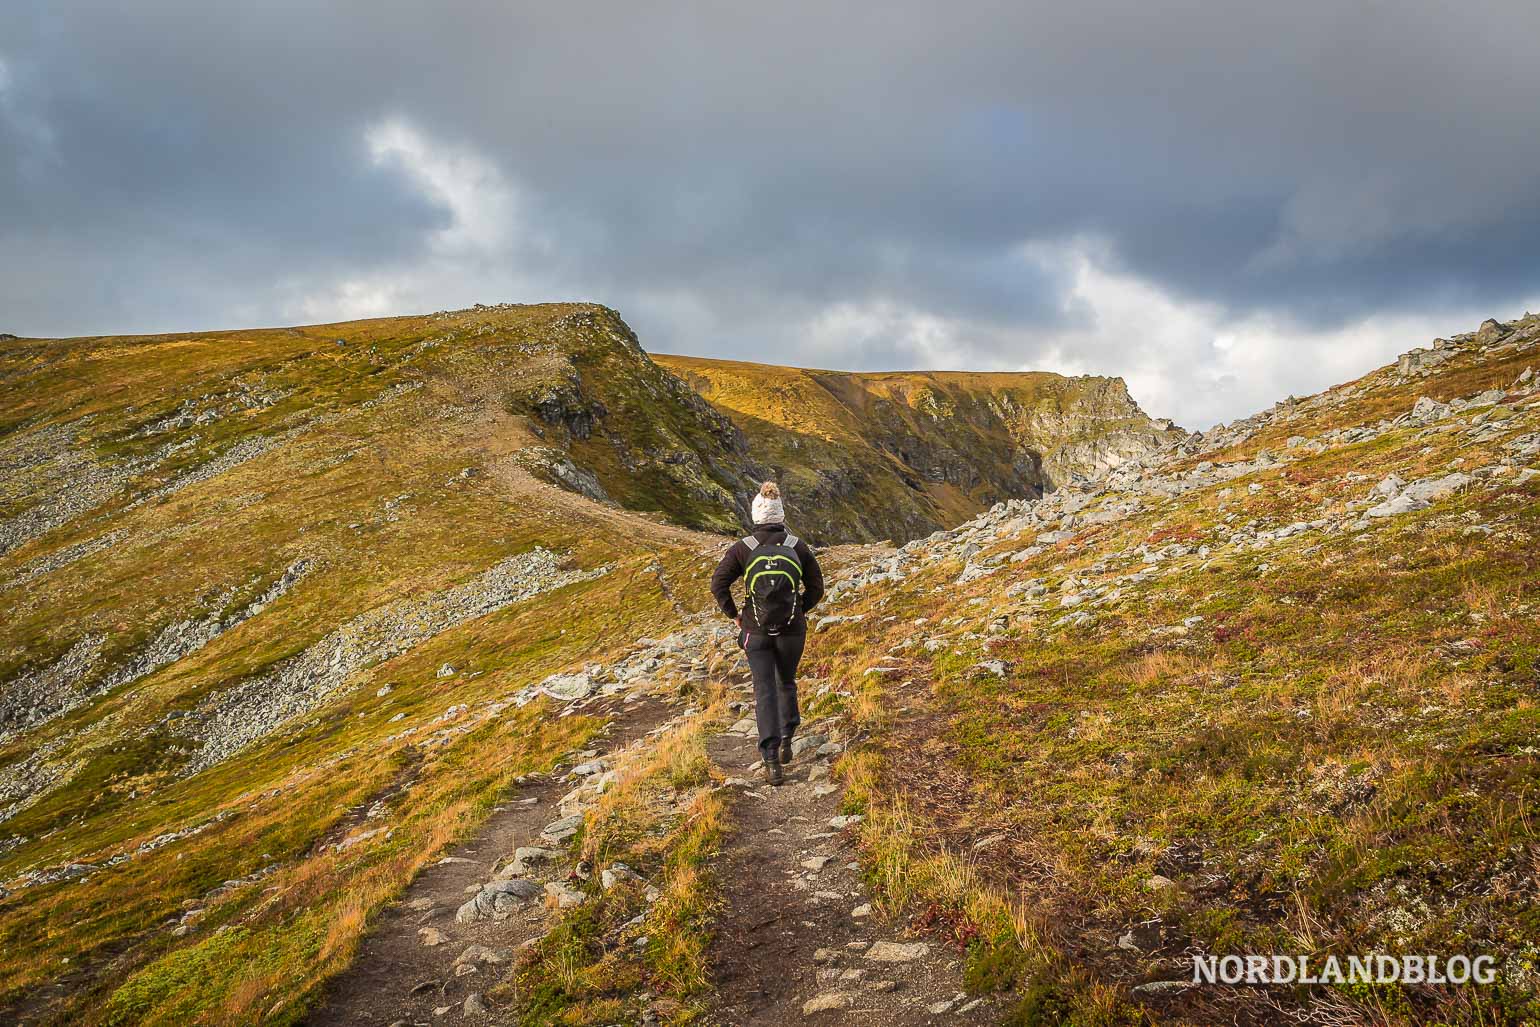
[{"x": 773, "y": 663}]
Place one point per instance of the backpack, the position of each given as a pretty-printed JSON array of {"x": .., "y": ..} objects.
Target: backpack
[{"x": 774, "y": 583}]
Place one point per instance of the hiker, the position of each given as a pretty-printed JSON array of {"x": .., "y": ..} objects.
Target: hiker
[{"x": 782, "y": 583}]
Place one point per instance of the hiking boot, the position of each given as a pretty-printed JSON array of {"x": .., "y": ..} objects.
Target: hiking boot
[
  {"x": 785, "y": 751},
  {"x": 773, "y": 770}
]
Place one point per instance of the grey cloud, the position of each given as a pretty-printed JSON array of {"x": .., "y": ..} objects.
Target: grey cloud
[{"x": 729, "y": 172}]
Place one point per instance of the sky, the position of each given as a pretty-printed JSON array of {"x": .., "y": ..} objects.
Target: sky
[{"x": 1223, "y": 203}]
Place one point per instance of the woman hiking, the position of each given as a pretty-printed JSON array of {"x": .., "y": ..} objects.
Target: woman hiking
[{"x": 782, "y": 582}]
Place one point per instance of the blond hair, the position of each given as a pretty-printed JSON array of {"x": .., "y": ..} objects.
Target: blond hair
[{"x": 770, "y": 490}]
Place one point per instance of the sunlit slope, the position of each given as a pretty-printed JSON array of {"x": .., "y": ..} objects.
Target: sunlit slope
[
  {"x": 895, "y": 455},
  {"x": 255, "y": 583},
  {"x": 1271, "y": 692}
]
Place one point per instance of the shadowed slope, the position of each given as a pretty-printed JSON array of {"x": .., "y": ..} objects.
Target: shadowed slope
[{"x": 900, "y": 454}]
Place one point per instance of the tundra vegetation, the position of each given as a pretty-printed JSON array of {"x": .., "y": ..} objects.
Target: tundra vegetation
[{"x": 287, "y": 613}]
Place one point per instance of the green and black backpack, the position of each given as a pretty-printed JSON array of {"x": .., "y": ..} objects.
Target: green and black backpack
[{"x": 774, "y": 583}]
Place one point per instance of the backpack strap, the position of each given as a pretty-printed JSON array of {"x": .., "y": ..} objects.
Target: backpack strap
[{"x": 750, "y": 541}]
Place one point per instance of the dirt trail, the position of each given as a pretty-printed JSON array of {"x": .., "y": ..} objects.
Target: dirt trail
[
  {"x": 790, "y": 945},
  {"x": 397, "y": 976},
  {"x": 796, "y": 938}
]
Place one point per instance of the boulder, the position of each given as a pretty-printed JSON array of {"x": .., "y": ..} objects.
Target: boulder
[
  {"x": 497, "y": 900},
  {"x": 568, "y": 687},
  {"x": 1428, "y": 490},
  {"x": 1490, "y": 331},
  {"x": 1396, "y": 505}
]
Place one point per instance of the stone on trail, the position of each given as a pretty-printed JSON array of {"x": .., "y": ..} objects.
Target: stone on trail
[
  {"x": 431, "y": 936},
  {"x": 562, "y": 830},
  {"x": 802, "y": 743},
  {"x": 481, "y": 954},
  {"x": 829, "y": 1001},
  {"x": 526, "y": 856},
  {"x": 496, "y": 900},
  {"x": 897, "y": 952},
  {"x": 566, "y": 897},
  {"x": 474, "y": 1006}
]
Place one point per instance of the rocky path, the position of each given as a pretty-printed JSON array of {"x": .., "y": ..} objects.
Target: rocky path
[
  {"x": 799, "y": 937},
  {"x": 430, "y": 957}
]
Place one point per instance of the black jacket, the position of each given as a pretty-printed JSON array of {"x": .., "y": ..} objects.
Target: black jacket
[{"x": 736, "y": 559}]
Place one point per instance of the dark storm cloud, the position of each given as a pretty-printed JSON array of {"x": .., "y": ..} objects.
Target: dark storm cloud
[{"x": 726, "y": 173}]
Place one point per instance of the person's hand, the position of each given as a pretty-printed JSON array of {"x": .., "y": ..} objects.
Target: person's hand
[{"x": 738, "y": 620}]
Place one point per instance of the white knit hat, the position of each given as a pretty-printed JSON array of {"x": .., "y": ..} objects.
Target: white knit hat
[{"x": 766, "y": 508}]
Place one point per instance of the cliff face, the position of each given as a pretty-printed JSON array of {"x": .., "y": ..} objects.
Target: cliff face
[{"x": 896, "y": 455}]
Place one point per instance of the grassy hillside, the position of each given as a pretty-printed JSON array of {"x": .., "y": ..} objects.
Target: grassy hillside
[
  {"x": 896, "y": 455},
  {"x": 1274, "y": 693},
  {"x": 233, "y": 566}
]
